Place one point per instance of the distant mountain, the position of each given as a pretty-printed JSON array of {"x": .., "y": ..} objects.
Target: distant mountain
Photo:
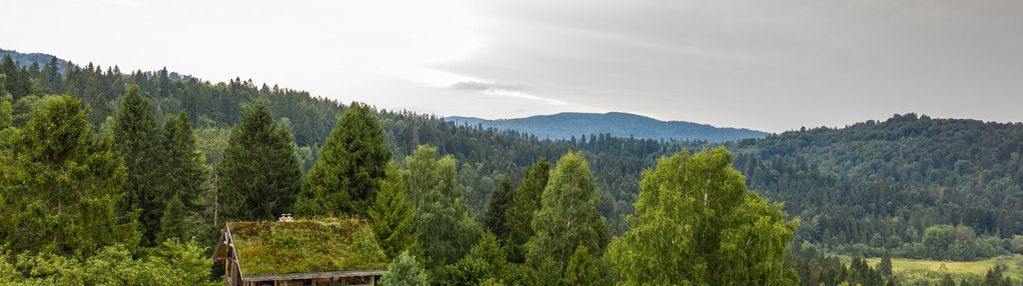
[
  {"x": 27, "y": 59},
  {"x": 568, "y": 124}
]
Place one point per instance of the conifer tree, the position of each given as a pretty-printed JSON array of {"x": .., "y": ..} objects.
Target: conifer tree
[
  {"x": 500, "y": 200},
  {"x": 136, "y": 136},
  {"x": 173, "y": 224},
  {"x": 696, "y": 223},
  {"x": 567, "y": 219},
  {"x": 393, "y": 216},
  {"x": 260, "y": 174},
  {"x": 17, "y": 81},
  {"x": 184, "y": 171},
  {"x": 347, "y": 174},
  {"x": 525, "y": 203},
  {"x": 886, "y": 265},
  {"x": 60, "y": 185}
]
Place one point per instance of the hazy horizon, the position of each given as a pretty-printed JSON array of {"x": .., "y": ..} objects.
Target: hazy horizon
[{"x": 746, "y": 64}]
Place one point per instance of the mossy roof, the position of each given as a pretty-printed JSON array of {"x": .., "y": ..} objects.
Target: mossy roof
[{"x": 300, "y": 246}]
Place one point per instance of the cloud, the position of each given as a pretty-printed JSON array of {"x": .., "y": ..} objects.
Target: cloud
[
  {"x": 502, "y": 89},
  {"x": 488, "y": 86}
]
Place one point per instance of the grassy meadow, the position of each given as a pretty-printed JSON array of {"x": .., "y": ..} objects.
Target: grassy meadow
[{"x": 912, "y": 270}]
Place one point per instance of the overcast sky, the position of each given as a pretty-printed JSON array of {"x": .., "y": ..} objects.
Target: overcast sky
[{"x": 768, "y": 65}]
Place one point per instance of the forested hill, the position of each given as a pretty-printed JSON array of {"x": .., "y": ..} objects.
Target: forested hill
[
  {"x": 886, "y": 185},
  {"x": 571, "y": 125},
  {"x": 38, "y": 59},
  {"x": 863, "y": 189}
]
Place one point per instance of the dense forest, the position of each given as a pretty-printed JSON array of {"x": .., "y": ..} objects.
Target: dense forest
[{"x": 142, "y": 168}]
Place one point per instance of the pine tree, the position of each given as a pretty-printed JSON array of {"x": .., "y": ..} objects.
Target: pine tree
[
  {"x": 393, "y": 216},
  {"x": 135, "y": 134},
  {"x": 60, "y": 185},
  {"x": 405, "y": 271},
  {"x": 500, "y": 200},
  {"x": 567, "y": 219},
  {"x": 348, "y": 171},
  {"x": 17, "y": 81},
  {"x": 51, "y": 76},
  {"x": 260, "y": 174},
  {"x": 184, "y": 168},
  {"x": 696, "y": 223},
  {"x": 173, "y": 224},
  {"x": 525, "y": 203},
  {"x": 442, "y": 219},
  {"x": 886, "y": 265}
]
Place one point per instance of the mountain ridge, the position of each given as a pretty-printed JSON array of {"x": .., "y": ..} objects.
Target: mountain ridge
[{"x": 566, "y": 125}]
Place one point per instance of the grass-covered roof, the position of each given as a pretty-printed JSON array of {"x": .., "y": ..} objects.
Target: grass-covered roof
[{"x": 322, "y": 245}]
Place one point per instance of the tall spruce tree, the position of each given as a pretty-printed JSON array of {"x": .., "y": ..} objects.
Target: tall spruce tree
[
  {"x": 18, "y": 80},
  {"x": 567, "y": 219},
  {"x": 60, "y": 185},
  {"x": 260, "y": 174},
  {"x": 136, "y": 136},
  {"x": 393, "y": 216},
  {"x": 348, "y": 172},
  {"x": 525, "y": 203},
  {"x": 445, "y": 229},
  {"x": 184, "y": 168},
  {"x": 495, "y": 217},
  {"x": 696, "y": 224}
]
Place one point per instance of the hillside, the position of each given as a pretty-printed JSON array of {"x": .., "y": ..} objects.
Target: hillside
[
  {"x": 859, "y": 189},
  {"x": 569, "y": 124},
  {"x": 39, "y": 59}
]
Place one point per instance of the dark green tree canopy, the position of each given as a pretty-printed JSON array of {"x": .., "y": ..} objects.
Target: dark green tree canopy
[
  {"x": 495, "y": 217},
  {"x": 137, "y": 137},
  {"x": 348, "y": 173},
  {"x": 60, "y": 185},
  {"x": 260, "y": 175},
  {"x": 393, "y": 216},
  {"x": 525, "y": 203}
]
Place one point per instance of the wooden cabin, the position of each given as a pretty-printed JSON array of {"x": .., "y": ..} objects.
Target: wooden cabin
[{"x": 321, "y": 252}]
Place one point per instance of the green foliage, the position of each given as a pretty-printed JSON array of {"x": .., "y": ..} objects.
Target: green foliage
[
  {"x": 500, "y": 200},
  {"x": 525, "y": 204},
  {"x": 59, "y": 185},
  {"x": 468, "y": 271},
  {"x": 393, "y": 216},
  {"x": 696, "y": 223},
  {"x": 172, "y": 223},
  {"x": 260, "y": 175},
  {"x": 445, "y": 229},
  {"x": 405, "y": 271},
  {"x": 567, "y": 219},
  {"x": 17, "y": 81},
  {"x": 136, "y": 137},
  {"x": 184, "y": 168},
  {"x": 6, "y": 112},
  {"x": 484, "y": 262},
  {"x": 306, "y": 246},
  {"x": 172, "y": 263},
  {"x": 886, "y": 265},
  {"x": 586, "y": 268},
  {"x": 348, "y": 172}
]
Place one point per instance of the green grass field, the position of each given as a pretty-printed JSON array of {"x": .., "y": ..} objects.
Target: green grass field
[{"x": 933, "y": 270}]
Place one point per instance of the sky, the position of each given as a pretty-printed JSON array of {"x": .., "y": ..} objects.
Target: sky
[{"x": 767, "y": 65}]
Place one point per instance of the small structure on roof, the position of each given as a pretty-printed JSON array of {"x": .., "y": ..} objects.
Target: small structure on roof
[{"x": 321, "y": 252}]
